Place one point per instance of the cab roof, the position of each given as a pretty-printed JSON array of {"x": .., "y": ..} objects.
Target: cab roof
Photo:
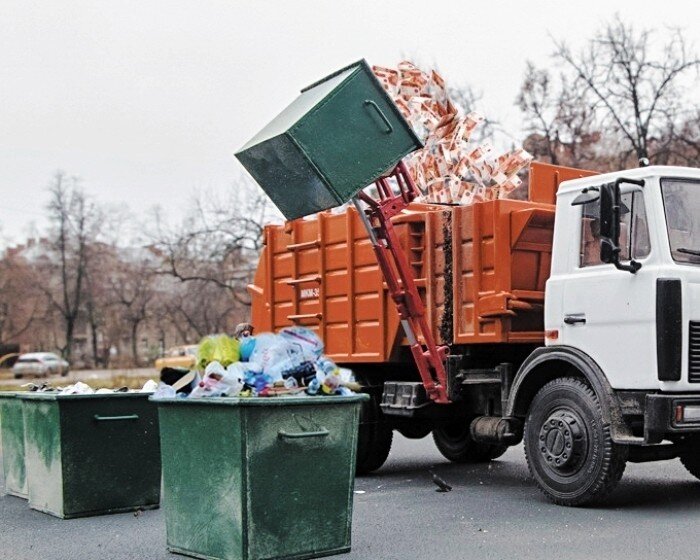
[{"x": 576, "y": 185}]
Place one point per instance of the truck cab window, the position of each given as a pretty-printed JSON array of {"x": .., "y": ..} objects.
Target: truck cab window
[
  {"x": 634, "y": 230},
  {"x": 682, "y": 207}
]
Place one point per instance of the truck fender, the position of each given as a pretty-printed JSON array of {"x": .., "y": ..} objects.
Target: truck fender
[{"x": 548, "y": 363}]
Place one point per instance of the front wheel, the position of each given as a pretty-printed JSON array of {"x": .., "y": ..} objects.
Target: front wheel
[
  {"x": 455, "y": 443},
  {"x": 568, "y": 447}
]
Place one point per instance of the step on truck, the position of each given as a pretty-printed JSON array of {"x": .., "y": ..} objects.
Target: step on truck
[{"x": 569, "y": 321}]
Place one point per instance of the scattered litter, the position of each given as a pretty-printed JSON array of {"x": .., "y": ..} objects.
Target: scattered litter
[
  {"x": 80, "y": 388},
  {"x": 451, "y": 168},
  {"x": 440, "y": 483},
  {"x": 359, "y": 492},
  {"x": 149, "y": 387}
]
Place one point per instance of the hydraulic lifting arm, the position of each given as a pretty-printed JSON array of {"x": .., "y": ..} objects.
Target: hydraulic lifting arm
[{"x": 430, "y": 358}]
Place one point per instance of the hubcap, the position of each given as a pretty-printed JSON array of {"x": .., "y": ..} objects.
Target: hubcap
[{"x": 562, "y": 441}]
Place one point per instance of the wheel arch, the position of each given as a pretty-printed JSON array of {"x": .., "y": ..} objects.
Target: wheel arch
[{"x": 546, "y": 364}]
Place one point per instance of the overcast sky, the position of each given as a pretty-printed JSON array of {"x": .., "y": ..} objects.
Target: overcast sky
[{"x": 147, "y": 100}]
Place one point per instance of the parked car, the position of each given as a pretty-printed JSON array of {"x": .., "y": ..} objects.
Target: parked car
[
  {"x": 40, "y": 364},
  {"x": 178, "y": 356}
]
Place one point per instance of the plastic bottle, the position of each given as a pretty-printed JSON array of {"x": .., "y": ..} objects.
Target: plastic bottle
[{"x": 313, "y": 388}]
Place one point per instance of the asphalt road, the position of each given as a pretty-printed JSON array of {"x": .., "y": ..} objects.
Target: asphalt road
[{"x": 493, "y": 512}]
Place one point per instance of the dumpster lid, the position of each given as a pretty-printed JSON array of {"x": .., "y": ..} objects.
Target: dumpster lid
[{"x": 265, "y": 401}]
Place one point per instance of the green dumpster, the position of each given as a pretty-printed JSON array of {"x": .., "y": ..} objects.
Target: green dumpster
[
  {"x": 340, "y": 135},
  {"x": 91, "y": 454},
  {"x": 259, "y": 478},
  {"x": 12, "y": 443}
]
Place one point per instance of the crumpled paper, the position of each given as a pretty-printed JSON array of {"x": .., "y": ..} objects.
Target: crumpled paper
[{"x": 451, "y": 168}]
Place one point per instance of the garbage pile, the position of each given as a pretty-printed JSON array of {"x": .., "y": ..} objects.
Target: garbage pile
[
  {"x": 80, "y": 388},
  {"x": 451, "y": 168},
  {"x": 290, "y": 362}
]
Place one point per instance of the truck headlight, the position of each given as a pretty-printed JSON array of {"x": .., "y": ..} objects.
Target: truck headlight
[{"x": 689, "y": 413}]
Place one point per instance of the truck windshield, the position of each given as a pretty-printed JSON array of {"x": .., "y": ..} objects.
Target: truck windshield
[{"x": 682, "y": 207}]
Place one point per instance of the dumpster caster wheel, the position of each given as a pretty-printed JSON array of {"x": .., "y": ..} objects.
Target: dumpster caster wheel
[
  {"x": 374, "y": 438},
  {"x": 456, "y": 444}
]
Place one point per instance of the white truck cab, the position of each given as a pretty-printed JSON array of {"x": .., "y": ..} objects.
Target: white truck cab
[
  {"x": 618, "y": 379},
  {"x": 613, "y": 315}
]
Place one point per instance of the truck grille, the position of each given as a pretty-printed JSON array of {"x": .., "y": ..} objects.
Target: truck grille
[{"x": 694, "y": 352}]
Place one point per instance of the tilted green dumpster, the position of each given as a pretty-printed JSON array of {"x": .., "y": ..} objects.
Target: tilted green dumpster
[
  {"x": 340, "y": 135},
  {"x": 12, "y": 443},
  {"x": 91, "y": 454},
  {"x": 259, "y": 478}
]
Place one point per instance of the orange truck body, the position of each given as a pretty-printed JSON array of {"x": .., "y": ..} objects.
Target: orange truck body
[{"x": 480, "y": 270}]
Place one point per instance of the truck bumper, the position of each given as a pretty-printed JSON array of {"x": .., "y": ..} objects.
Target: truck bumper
[{"x": 669, "y": 415}]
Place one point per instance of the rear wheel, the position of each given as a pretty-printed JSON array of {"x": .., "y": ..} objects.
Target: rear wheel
[
  {"x": 569, "y": 449},
  {"x": 374, "y": 438},
  {"x": 455, "y": 443}
]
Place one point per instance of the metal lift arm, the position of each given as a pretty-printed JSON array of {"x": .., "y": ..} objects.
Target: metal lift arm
[{"x": 430, "y": 358}]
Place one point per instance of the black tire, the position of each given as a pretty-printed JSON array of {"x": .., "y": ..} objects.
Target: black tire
[
  {"x": 691, "y": 458},
  {"x": 374, "y": 438},
  {"x": 414, "y": 431},
  {"x": 568, "y": 447},
  {"x": 456, "y": 444}
]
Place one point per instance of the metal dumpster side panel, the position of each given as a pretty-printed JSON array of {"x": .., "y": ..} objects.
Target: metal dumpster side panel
[
  {"x": 203, "y": 479},
  {"x": 235, "y": 488},
  {"x": 109, "y": 465},
  {"x": 80, "y": 465},
  {"x": 42, "y": 437},
  {"x": 12, "y": 443},
  {"x": 301, "y": 506},
  {"x": 355, "y": 135},
  {"x": 341, "y": 134},
  {"x": 293, "y": 183}
]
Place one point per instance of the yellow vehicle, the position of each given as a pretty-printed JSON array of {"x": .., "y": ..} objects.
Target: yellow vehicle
[{"x": 178, "y": 356}]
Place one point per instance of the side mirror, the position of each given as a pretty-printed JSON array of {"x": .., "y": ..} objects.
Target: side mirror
[
  {"x": 588, "y": 195},
  {"x": 610, "y": 224}
]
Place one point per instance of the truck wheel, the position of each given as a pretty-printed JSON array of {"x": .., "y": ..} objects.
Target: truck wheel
[
  {"x": 374, "y": 438},
  {"x": 691, "y": 459},
  {"x": 568, "y": 448},
  {"x": 414, "y": 431},
  {"x": 456, "y": 444}
]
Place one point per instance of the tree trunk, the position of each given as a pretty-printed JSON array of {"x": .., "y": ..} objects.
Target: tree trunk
[{"x": 134, "y": 342}]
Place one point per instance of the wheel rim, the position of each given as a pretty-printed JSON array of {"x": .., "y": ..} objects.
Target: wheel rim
[{"x": 563, "y": 443}]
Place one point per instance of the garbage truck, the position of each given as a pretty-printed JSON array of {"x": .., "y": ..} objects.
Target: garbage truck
[{"x": 569, "y": 321}]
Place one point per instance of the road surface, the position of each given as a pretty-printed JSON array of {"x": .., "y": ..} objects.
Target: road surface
[{"x": 493, "y": 512}]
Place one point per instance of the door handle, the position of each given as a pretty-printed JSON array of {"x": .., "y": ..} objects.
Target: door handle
[{"x": 577, "y": 318}]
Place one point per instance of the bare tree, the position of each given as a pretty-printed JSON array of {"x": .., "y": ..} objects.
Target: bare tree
[
  {"x": 635, "y": 85},
  {"x": 75, "y": 223},
  {"x": 219, "y": 241},
  {"x": 19, "y": 305},
  {"x": 133, "y": 287},
  {"x": 559, "y": 117}
]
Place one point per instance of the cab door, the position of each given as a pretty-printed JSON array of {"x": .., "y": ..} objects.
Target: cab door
[{"x": 608, "y": 313}]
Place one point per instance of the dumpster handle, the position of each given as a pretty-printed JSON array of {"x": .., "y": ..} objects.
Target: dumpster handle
[
  {"x": 111, "y": 418},
  {"x": 298, "y": 435},
  {"x": 370, "y": 103}
]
